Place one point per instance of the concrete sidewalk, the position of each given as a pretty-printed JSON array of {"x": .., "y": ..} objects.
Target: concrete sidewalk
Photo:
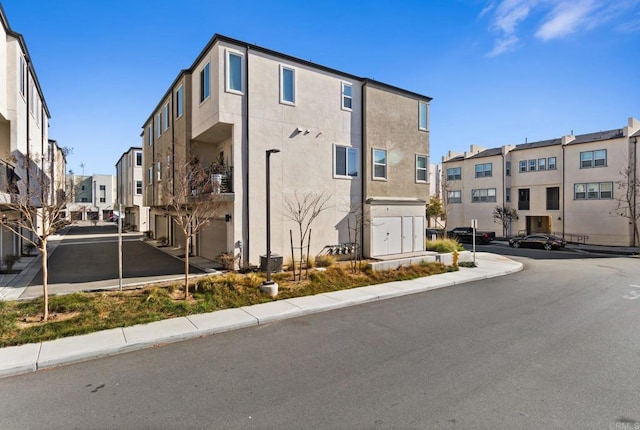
[{"x": 31, "y": 357}]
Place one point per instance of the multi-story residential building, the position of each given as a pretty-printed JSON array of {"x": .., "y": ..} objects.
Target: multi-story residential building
[
  {"x": 24, "y": 124},
  {"x": 572, "y": 186},
  {"x": 129, "y": 187},
  {"x": 363, "y": 143},
  {"x": 90, "y": 198}
]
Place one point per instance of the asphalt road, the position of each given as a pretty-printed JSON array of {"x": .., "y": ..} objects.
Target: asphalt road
[
  {"x": 90, "y": 253},
  {"x": 554, "y": 346}
]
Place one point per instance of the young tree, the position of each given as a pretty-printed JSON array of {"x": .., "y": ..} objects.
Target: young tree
[
  {"x": 35, "y": 204},
  {"x": 192, "y": 199},
  {"x": 434, "y": 210},
  {"x": 303, "y": 209},
  {"x": 505, "y": 215},
  {"x": 628, "y": 200}
]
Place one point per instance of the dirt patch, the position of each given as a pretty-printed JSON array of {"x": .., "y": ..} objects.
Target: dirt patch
[{"x": 36, "y": 320}]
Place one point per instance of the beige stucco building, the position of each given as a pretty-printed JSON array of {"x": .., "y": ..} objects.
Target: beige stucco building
[
  {"x": 362, "y": 143},
  {"x": 572, "y": 186},
  {"x": 129, "y": 190},
  {"x": 26, "y": 153}
]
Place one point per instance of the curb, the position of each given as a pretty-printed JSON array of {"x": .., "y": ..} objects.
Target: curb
[{"x": 29, "y": 358}]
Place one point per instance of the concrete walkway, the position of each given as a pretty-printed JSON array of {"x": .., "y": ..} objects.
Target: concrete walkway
[{"x": 31, "y": 357}]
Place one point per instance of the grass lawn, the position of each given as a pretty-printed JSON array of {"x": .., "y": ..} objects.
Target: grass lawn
[{"x": 82, "y": 313}]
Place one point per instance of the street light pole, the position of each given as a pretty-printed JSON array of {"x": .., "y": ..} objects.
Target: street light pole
[{"x": 268, "y": 285}]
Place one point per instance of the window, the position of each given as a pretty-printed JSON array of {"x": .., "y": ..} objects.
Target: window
[
  {"x": 347, "y": 96},
  {"x": 551, "y": 162},
  {"x": 454, "y": 173},
  {"x": 483, "y": 195},
  {"x": 287, "y": 85},
  {"x": 158, "y": 124},
  {"x": 542, "y": 164},
  {"x": 507, "y": 195},
  {"x": 103, "y": 193},
  {"x": 23, "y": 76},
  {"x": 454, "y": 196},
  {"x": 483, "y": 170},
  {"x": 593, "y": 191},
  {"x": 83, "y": 200},
  {"x": 421, "y": 168},
  {"x": 593, "y": 158},
  {"x": 205, "y": 83},
  {"x": 422, "y": 116},
  {"x": 150, "y": 135},
  {"x": 523, "y": 166},
  {"x": 138, "y": 158},
  {"x": 179, "y": 101},
  {"x": 234, "y": 72},
  {"x": 150, "y": 174},
  {"x": 159, "y": 170},
  {"x": 507, "y": 168},
  {"x": 346, "y": 161},
  {"x": 138, "y": 187},
  {"x": 379, "y": 164},
  {"x": 553, "y": 198},
  {"x": 165, "y": 116},
  {"x": 532, "y": 165},
  {"x": 523, "y": 199}
]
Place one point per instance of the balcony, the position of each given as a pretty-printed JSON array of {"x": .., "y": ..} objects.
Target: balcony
[
  {"x": 8, "y": 178},
  {"x": 218, "y": 180}
]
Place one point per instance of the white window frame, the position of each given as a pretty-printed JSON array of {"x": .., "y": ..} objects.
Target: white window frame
[
  {"x": 350, "y": 151},
  {"x": 228, "y": 54},
  {"x": 179, "y": 101},
  {"x": 159, "y": 171},
  {"x": 23, "y": 76},
  {"x": 452, "y": 176},
  {"x": 522, "y": 166},
  {"x": 542, "y": 164},
  {"x": 593, "y": 191},
  {"x": 158, "y": 124},
  {"x": 138, "y": 153},
  {"x": 284, "y": 68},
  {"x": 507, "y": 195},
  {"x": 205, "y": 83},
  {"x": 150, "y": 135},
  {"x": 554, "y": 164},
  {"x": 375, "y": 164},
  {"x": 424, "y": 169},
  {"x": 533, "y": 165},
  {"x": 507, "y": 168},
  {"x": 423, "y": 116},
  {"x": 482, "y": 172},
  {"x": 165, "y": 117},
  {"x": 151, "y": 174},
  {"x": 483, "y": 195},
  {"x": 454, "y": 196},
  {"x": 139, "y": 189},
  {"x": 344, "y": 97}
]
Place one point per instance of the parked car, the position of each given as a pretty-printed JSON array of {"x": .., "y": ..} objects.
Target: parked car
[
  {"x": 465, "y": 234},
  {"x": 545, "y": 241},
  {"x": 437, "y": 232}
]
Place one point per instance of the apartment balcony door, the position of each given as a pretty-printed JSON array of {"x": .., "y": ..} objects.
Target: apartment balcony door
[{"x": 538, "y": 224}]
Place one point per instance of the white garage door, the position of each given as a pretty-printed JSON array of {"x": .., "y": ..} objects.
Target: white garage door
[
  {"x": 213, "y": 239},
  {"x": 418, "y": 233},
  {"x": 387, "y": 235}
]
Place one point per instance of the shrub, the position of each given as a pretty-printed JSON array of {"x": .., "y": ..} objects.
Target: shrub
[
  {"x": 325, "y": 260},
  {"x": 28, "y": 248},
  {"x": 444, "y": 245},
  {"x": 226, "y": 260}
]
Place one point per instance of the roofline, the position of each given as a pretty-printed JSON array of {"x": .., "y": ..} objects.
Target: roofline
[
  {"x": 23, "y": 45},
  {"x": 222, "y": 38},
  {"x": 132, "y": 148}
]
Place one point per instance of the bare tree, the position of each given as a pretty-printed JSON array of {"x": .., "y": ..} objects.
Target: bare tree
[
  {"x": 35, "y": 204},
  {"x": 505, "y": 215},
  {"x": 303, "y": 209},
  {"x": 192, "y": 199},
  {"x": 356, "y": 221},
  {"x": 628, "y": 200}
]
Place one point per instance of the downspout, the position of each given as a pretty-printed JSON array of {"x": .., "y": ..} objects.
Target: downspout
[
  {"x": 564, "y": 193},
  {"x": 245, "y": 172},
  {"x": 362, "y": 165},
  {"x": 504, "y": 228},
  {"x": 173, "y": 157},
  {"x": 635, "y": 184}
]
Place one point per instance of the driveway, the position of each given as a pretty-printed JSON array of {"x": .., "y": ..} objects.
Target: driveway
[{"x": 87, "y": 258}]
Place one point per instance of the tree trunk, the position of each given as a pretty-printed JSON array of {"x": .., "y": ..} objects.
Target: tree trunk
[
  {"x": 187, "y": 243},
  {"x": 45, "y": 287}
]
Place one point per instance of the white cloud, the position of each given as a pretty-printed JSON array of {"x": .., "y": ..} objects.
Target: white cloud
[
  {"x": 506, "y": 44},
  {"x": 566, "y": 18}
]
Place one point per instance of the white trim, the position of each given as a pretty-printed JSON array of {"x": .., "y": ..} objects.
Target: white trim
[
  {"x": 282, "y": 100},
  {"x": 347, "y": 176},
  {"x": 201, "y": 87},
  {"x": 343, "y": 84},
  {"x": 179, "y": 103},
  {"x": 374, "y": 164},
  {"x": 426, "y": 113},
  {"x": 426, "y": 169},
  {"x": 227, "y": 86}
]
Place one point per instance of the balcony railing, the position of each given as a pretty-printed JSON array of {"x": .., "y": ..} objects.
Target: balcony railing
[
  {"x": 219, "y": 180},
  {"x": 8, "y": 178}
]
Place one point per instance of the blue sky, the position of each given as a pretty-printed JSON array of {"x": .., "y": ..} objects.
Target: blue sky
[{"x": 499, "y": 72}]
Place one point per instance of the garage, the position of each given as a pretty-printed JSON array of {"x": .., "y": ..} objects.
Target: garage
[{"x": 213, "y": 239}]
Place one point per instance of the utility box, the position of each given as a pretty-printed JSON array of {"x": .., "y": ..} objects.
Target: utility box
[{"x": 276, "y": 263}]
